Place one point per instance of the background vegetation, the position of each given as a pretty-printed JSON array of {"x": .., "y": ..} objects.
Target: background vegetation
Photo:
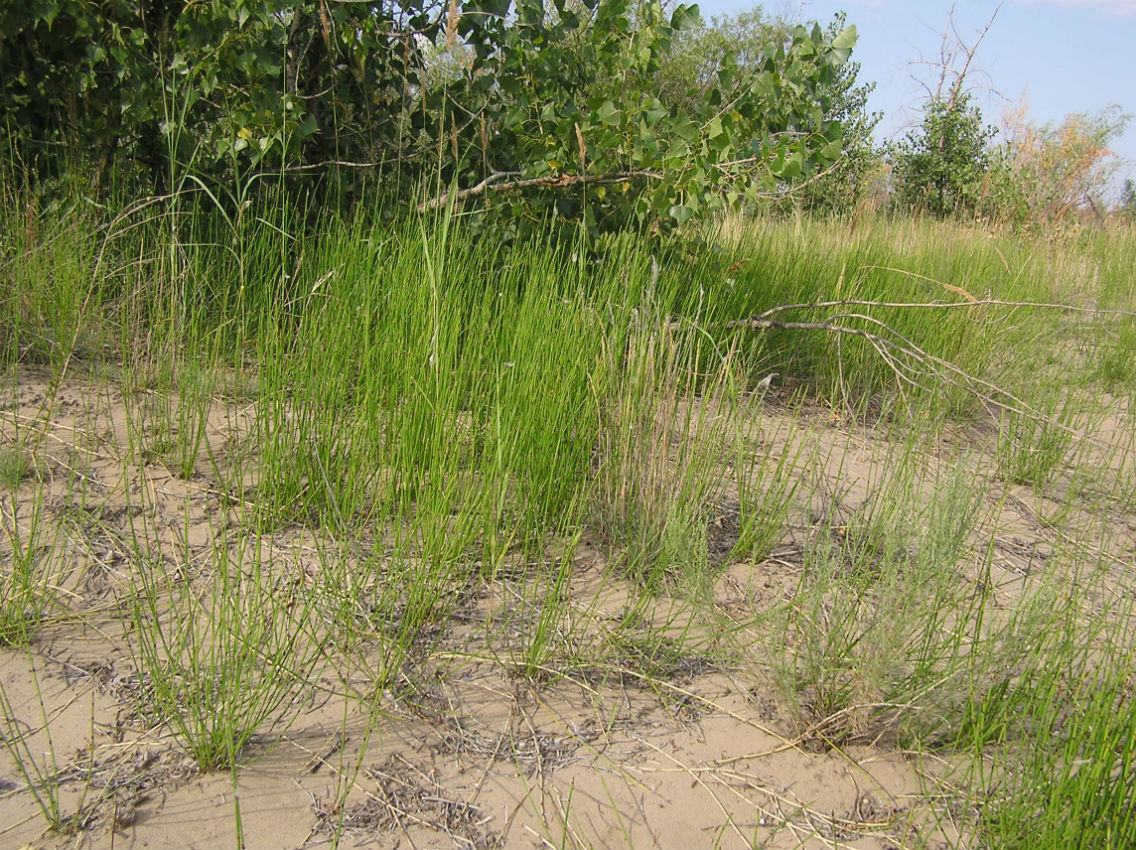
[{"x": 470, "y": 284}]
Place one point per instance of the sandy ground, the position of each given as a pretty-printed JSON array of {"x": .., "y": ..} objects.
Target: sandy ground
[{"x": 461, "y": 751}]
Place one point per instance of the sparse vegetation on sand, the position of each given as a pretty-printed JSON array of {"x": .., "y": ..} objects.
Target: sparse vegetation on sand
[{"x": 805, "y": 533}]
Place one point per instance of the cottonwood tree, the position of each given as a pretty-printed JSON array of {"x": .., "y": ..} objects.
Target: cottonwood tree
[
  {"x": 167, "y": 87},
  {"x": 550, "y": 114},
  {"x": 745, "y": 41},
  {"x": 941, "y": 166},
  {"x": 560, "y": 117}
]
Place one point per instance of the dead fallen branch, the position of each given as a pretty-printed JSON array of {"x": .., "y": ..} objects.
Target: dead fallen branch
[
  {"x": 910, "y": 363},
  {"x": 757, "y": 322},
  {"x": 512, "y": 181}
]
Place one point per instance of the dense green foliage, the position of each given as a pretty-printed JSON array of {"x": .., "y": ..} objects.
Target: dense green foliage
[
  {"x": 941, "y": 166},
  {"x": 849, "y": 179},
  {"x": 745, "y": 41},
  {"x": 548, "y": 103},
  {"x": 160, "y": 89},
  {"x": 1034, "y": 175}
]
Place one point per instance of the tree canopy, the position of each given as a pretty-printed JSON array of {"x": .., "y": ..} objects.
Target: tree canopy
[{"x": 529, "y": 108}]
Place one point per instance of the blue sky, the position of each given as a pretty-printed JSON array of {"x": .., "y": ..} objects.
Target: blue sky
[{"x": 1063, "y": 55}]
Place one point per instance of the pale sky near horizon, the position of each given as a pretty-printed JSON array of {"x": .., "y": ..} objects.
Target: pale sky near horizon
[{"x": 1063, "y": 56}]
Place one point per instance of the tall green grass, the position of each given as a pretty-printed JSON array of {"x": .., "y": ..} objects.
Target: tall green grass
[
  {"x": 440, "y": 413},
  {"x": 903, "y": 311},
  {"x": 1075, "y": 783}
]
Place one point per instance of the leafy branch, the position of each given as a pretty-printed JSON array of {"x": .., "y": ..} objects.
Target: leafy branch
[{"x": 515, "y": 182}]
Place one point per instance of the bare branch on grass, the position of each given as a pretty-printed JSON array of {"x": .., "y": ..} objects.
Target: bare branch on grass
[
  {"x": 909, "y": 362},
  {"x": 926, "y": 305}
]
